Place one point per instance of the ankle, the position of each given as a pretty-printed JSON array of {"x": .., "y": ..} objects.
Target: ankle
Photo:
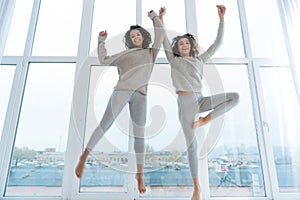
[
  {"x": 207, "y": 118},
  {"x": 139, "y": 175},
  {"x": 197, "y": 189}
]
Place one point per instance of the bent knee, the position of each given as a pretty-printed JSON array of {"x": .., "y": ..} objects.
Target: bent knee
[{"x": 234, "y": 98}]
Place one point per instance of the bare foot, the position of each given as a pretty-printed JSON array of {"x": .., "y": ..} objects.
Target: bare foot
[
  {"x": 140, "y": 182},
  {"x": 79, "y": 168},
  {"x": 80, "y": 165},
  {"x": 196, "y": 195},
  {"x": 202, "y": 121}
]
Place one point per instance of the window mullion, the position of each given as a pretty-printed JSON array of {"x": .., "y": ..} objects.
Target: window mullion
[
  {"x": 257, "y": 101},
  {"x": 138, "y": 11},
  {"x": 191, "y": 17},
  {"x": 32, "y": 28},
  {"x": 79, "y": 105}
]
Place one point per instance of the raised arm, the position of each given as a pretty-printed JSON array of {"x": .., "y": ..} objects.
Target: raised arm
[
  {"x": 159, "y": 32},
  {"x": 219, "y": 39},
  {"x": 102, "y": 52},
  {"x": 166, "y": 42}
]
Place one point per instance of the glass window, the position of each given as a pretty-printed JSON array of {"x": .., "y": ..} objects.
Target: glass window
[
  {"x": 6, "y": 79},
  {"x": 110, "y": 155},
  {"x": 18, "y": 29},
  {"x": 38, "y": 157},
  {"x": 116, "y": 17},
  {"x": 57, "y": 32},
  {"x": 283, "y": 113},
  {"x": 208, "y": 22},
  {"x": 266, "y": 34},
  {"x": 234, "y": 164}
]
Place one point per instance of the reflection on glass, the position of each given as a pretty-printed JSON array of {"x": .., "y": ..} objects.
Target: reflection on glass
[
  {"x": 6, "y": 80},
  {"x": 18, "y": 29},
  {"x": 283, "y": 114},
  {"x": 234, "y": 165},
  {"x": 116, "y": 17},
  {"x": 208, "y": 22},
  {"x": 266, "y": 34},
  {"x": 39, "y": 150},
  {"x": 57, "y": 32}
]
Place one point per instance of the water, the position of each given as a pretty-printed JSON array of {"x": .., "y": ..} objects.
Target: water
[{"x": 51, "y": 175}]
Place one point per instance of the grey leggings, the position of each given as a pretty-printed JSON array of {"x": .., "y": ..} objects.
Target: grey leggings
[
  {"x": 137, "y": 107},
  {"x": 189, "y": 106}
]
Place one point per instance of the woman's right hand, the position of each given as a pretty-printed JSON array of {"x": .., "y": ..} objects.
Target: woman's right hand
[{"x": 103, "y": 34}]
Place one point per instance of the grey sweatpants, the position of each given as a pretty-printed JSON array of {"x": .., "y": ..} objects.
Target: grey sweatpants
[
  {"x": 137, "y": 107},
  {"x": 189, "y": 106}
]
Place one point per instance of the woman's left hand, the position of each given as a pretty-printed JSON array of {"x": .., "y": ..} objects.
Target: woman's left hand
[{"x": 221, "y": 12}]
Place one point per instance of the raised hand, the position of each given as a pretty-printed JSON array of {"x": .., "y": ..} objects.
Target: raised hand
[
  {"x": 103, "y": 34},
  {"x": 151, "y": 11},
  {"x": 162, "y": 12},
  {"x": 221, "y": 12}
]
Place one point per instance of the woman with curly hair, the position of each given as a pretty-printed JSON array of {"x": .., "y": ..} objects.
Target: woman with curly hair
[
  {"x": 134, "y": 66},
  {"x": 186, "y": 71}
]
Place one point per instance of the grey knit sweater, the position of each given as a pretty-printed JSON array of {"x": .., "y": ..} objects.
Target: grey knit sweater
[
  {"x": 187, "y": 72},
  {"x": 134, "y": 65}
]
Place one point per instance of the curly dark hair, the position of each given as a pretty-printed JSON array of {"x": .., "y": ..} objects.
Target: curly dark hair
[
  {"x": 146, "y": 35},
  {"x": 194, "y": 47}
]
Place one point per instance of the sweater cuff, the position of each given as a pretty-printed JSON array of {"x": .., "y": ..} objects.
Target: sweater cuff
[
  {"x": 152, "y": 15},
  {"x": 101, "y": 39}
]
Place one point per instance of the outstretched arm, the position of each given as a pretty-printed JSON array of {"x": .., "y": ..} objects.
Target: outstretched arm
[
  {"x": 102, "y": 52},
  {"x": 159, "y": 32},
  {"x": 166, "y": 42},
  {"x": 215, "y": 46}
]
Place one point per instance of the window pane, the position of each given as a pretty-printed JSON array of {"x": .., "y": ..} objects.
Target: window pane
[
  {"x": 6, "y": 79},
  {"x": 38, "y": 155},
  {"x": 110, "y": 155},
  {"x": 266, "y": 35},
  {"x": 235, "y": 164},
  {"x": 283, "y": 114},
  {"x": 208, "y": 22},
  {"x": 115, "y": 16},
  {"x": 18, "y": 29},
  {"x": 57, "y": 32}
]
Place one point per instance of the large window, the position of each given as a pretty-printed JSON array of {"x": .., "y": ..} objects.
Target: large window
[
  {"x": 235, "y": 163},
  {"x": 38, "y": 155},
  {"x": 282, "y": 111},
  {"x": 51, "y": 79}
]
